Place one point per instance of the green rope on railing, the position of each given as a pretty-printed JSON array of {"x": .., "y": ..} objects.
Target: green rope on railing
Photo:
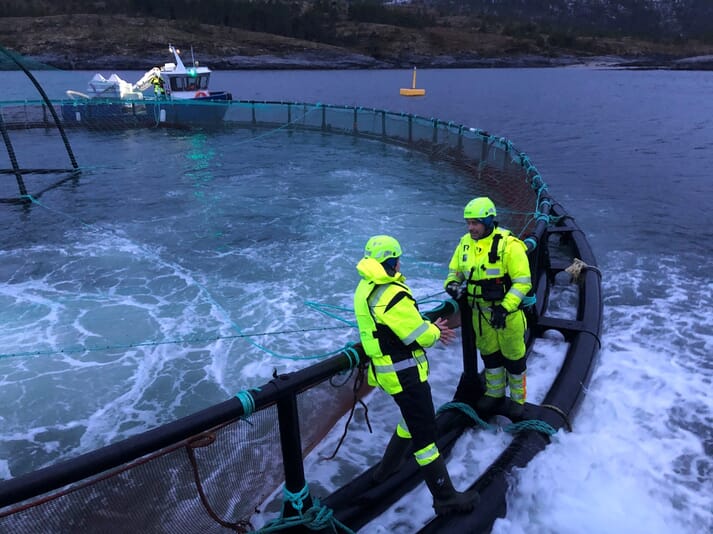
[
  {"x": 317, "y": 517},
  {"x": 247, "y": 401},
  {"x": 353, "y": 355},
  {"x": 513, "y": 428}
]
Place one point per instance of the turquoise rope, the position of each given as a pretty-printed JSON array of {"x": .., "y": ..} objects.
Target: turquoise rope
[
  {"x": 204, "y": 339},
  {"x": 322, "y": 308},
  {"x": 529, "y": 301},
  {"x": 178, "y": 341},
  {"x": 234, "y": 326},
  {"x": 353, "y": 355},
  {"x": 513, "y": 428},
  {"x": 248, "y": 402},
  {"x": 317, "y": 517},
  {"x": 466, "y": 409},
  {"x": 262, "y": 347},
  {"x": 532, "y": 241}
]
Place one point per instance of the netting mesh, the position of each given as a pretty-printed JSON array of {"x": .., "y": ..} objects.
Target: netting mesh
[
  {"x": 213, "y": 480},
  {"x": 492, "y": 164}
]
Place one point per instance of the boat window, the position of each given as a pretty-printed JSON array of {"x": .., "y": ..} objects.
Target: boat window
[
  {"x": 189, "y": 83},
  {"x": 177, "y": 83}
]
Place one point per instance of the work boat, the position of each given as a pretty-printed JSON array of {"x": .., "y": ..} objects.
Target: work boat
[{"x": 172, "y": 94}]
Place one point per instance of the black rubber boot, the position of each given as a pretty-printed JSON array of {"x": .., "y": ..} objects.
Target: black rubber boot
[
  {"x": 446, "y": 500},
  {"x": 395, "y": 456},
  {"x": 489, "y": 405},
  {"x": 515, "y": 410}
]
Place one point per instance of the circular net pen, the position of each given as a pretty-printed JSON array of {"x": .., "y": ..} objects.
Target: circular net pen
[{"x": 208, "y": 472}]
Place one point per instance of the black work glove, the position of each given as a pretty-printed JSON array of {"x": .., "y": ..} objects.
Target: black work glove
[
  {"x": 455, "y": 290},
  {"x": 497, "y": 317}
]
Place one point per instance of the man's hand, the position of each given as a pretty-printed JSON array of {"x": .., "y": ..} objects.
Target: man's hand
[
  {"x": 498, "y": 315},
  {"x": 455, "y": 290},
  {"x": 447, "y": 335}
]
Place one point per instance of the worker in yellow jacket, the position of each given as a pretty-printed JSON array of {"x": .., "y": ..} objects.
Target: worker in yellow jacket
[
  {"x": 394, "y": 335},
  {"x": 159, "y": 87},
  {"x": 491, "y": 266}
]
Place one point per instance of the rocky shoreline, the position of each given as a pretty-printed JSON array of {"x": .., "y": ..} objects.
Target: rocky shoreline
[
  {"x": 119, "y": 42},
  {"x": 328, "y": 60}
]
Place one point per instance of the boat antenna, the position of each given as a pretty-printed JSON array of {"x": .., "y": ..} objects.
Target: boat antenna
[{"x": 193, "y": 60}]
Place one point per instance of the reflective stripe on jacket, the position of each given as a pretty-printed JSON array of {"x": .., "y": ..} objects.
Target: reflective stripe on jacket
[
  {"x": 392, "y": 331},
  {"x": 470, "y": 261}
]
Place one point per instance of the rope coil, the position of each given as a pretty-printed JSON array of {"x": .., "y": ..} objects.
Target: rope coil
[
  {"x": 513, "y": 428},
  {"x": 575, "y": 270},
  {"x": 316, "y": 517}
]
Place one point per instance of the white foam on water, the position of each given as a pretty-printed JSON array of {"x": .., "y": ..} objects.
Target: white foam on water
[
  {"x": 171, "y": 289},
  {"x": 638, "y": 459}
]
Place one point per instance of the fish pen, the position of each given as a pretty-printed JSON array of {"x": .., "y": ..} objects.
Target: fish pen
[{"x": 210, "y": 471}]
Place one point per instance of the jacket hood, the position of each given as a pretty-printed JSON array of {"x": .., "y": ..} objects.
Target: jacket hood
[{"x": 371, "y": 270}]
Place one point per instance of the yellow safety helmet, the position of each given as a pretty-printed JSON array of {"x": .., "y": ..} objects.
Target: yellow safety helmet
[
  {"x": 381, "y": 248},
  {"x": 479, "y": 208}
]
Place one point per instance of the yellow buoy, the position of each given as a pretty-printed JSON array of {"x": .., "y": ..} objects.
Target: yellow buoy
[{"x": 412, "y": 91}]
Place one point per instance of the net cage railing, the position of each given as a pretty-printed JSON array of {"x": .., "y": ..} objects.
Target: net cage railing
[
  {"x": 210, "y": 471},
  {"x": 491, "y": 162}
]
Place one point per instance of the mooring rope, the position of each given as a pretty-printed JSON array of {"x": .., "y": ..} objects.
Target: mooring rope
[
  {"x": 177, "y": 341},
  {"x": 513, "y": 428},
  {"x": 316, "y": 517},
  {"x": 575, "y": 270}
]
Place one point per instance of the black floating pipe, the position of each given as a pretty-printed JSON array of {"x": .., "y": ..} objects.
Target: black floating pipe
[{"x": 49, "y": 106}]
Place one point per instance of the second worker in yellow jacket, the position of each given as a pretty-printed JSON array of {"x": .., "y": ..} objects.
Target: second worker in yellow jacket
[
  {"x": 493, "y": 265},
  {"x": 394, "y": 335}
]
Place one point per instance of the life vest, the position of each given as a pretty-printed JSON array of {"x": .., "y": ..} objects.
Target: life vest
[{"x": 496, "y": 269}]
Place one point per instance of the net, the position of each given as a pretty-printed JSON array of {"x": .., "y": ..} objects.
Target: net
[{"x": 490, "y": 163}]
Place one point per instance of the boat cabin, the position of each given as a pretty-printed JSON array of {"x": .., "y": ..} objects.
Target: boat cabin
[{"x": 188, "y": 82}]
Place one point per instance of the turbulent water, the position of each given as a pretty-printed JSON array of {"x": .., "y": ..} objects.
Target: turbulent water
[{"x": 125, "y": 296}]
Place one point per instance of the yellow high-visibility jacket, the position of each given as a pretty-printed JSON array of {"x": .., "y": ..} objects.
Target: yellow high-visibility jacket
[
  {"x": 503, "y": 271},
  {"x": 393, "y": 333}
]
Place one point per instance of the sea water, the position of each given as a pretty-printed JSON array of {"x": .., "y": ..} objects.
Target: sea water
[{"x": 150, "y": 269}]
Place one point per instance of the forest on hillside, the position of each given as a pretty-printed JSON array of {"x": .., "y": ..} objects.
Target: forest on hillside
[
  {"x": 76, "y": 34},
  {"x": 318, "y": 20}
]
